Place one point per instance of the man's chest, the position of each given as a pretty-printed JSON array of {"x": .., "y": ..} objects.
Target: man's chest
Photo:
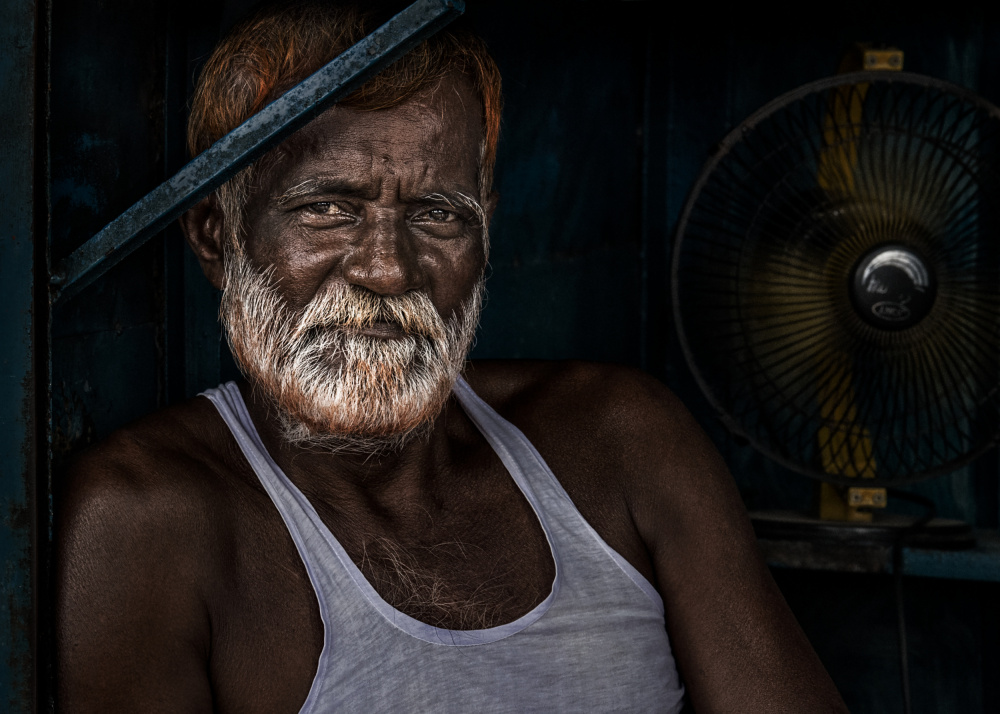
[{"x": 460, "y": 566}]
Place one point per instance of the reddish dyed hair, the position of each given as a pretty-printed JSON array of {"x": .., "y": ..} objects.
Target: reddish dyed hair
[{"x": 282, "y": 44}]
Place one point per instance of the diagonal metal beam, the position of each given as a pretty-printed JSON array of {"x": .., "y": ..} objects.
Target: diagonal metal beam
[{"x": 249, "y": 141}]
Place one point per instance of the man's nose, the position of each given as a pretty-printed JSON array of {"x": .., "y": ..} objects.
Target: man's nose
[{"x": 384, "y": 260}]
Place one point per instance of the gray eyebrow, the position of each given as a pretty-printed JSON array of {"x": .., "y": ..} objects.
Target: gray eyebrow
[
  {"x": 320, "y": 185},
  {"x": 457, "y": 199},
  {"x": 306, "y": 187}
]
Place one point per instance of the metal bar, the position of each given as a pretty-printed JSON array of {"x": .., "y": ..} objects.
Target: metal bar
[{"x": 249, "y": 141}]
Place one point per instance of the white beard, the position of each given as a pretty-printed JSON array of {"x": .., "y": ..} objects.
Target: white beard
[{"x": 335, "y": 389}]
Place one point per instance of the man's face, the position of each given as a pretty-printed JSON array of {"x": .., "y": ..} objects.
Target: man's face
[{"x": 355, "y": 296}]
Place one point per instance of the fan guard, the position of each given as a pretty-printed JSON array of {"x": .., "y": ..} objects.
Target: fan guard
[{"x": 836, "y": 278}]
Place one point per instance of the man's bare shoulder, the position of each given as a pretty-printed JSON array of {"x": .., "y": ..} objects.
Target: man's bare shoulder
[
  {"x": 601, "y": 399},
  {"x": 178, "y": 444},
  {"x": 611, "y": 434},
  {"x": 165, "y": 474}
]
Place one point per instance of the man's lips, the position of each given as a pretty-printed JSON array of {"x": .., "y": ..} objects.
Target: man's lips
[{"x": 381, "y": 329}]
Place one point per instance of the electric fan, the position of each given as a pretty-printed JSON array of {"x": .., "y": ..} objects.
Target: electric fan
[{"x": 836, "y": 280}]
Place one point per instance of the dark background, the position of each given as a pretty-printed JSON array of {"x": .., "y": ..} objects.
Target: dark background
[{"x": 611, "y": 110}]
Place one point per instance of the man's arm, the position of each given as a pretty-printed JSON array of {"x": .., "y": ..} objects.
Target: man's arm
[
  {"x": 736, "y": 642},
  {"x": 654, "y": 487},
  {"x": 132, "y": 628}
]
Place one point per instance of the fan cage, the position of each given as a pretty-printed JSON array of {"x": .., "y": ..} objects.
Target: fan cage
[{"x": 766, "y": 247}]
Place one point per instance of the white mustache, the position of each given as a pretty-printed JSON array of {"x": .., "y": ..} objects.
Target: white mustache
[{"x": 353, "y": 308}]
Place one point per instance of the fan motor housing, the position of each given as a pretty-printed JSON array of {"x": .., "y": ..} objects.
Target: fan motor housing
[{"x": 892, "y": 287}]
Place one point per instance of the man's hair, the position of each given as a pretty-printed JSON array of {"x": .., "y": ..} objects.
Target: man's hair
[{"x": 282, "y": 44}]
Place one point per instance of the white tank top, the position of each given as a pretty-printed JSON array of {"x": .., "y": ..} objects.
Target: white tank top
[{"x": 597, "y": 643}]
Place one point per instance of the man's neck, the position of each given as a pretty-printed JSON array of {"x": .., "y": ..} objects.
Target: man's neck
[{"x": 316, "y": 469}]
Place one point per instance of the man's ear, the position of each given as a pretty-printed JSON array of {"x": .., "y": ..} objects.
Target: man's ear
[
  {"x": 491, "y": 205},
  {"x": 203, "y": 226}
]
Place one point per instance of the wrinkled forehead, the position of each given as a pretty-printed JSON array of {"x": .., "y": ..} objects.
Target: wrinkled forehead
[{"x": 436, "y": 135}]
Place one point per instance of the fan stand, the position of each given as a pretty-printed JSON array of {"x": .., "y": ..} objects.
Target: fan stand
[
  {"x": 855, "y": 514},
  {"x": 859, "y": 519}
]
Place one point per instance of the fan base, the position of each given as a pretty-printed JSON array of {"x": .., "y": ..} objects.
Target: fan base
[{"x": 884, "y": 529}]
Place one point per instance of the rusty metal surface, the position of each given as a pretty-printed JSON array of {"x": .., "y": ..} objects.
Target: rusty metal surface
[
  {"x": 250, "y": 140},
  {"x": 980, "y": 563},
  {"x": 17, "y": 376},
  {"x": 838, "y": 557}
]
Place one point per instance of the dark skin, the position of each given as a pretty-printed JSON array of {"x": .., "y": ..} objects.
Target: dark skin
[{"x": 180, "y": 590}]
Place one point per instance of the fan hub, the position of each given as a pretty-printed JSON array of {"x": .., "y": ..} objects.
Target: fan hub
[{"x": 892, "y": 287}]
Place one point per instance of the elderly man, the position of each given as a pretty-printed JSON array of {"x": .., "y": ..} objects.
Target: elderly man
[{"x": 367, "y": 523}]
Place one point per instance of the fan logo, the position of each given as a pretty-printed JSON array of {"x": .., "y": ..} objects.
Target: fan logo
[{"x": 891, "y": 311}]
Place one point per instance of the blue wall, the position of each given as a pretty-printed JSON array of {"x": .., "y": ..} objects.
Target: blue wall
[{"x": 19, "y": 374}]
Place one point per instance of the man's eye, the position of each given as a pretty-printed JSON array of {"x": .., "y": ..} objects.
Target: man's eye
[
  {"x": 440, "y": 215},
  {"x": 324, "y": 208}
]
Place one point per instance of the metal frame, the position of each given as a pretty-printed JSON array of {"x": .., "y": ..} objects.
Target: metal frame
[{"x": 22, "y": 241}]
